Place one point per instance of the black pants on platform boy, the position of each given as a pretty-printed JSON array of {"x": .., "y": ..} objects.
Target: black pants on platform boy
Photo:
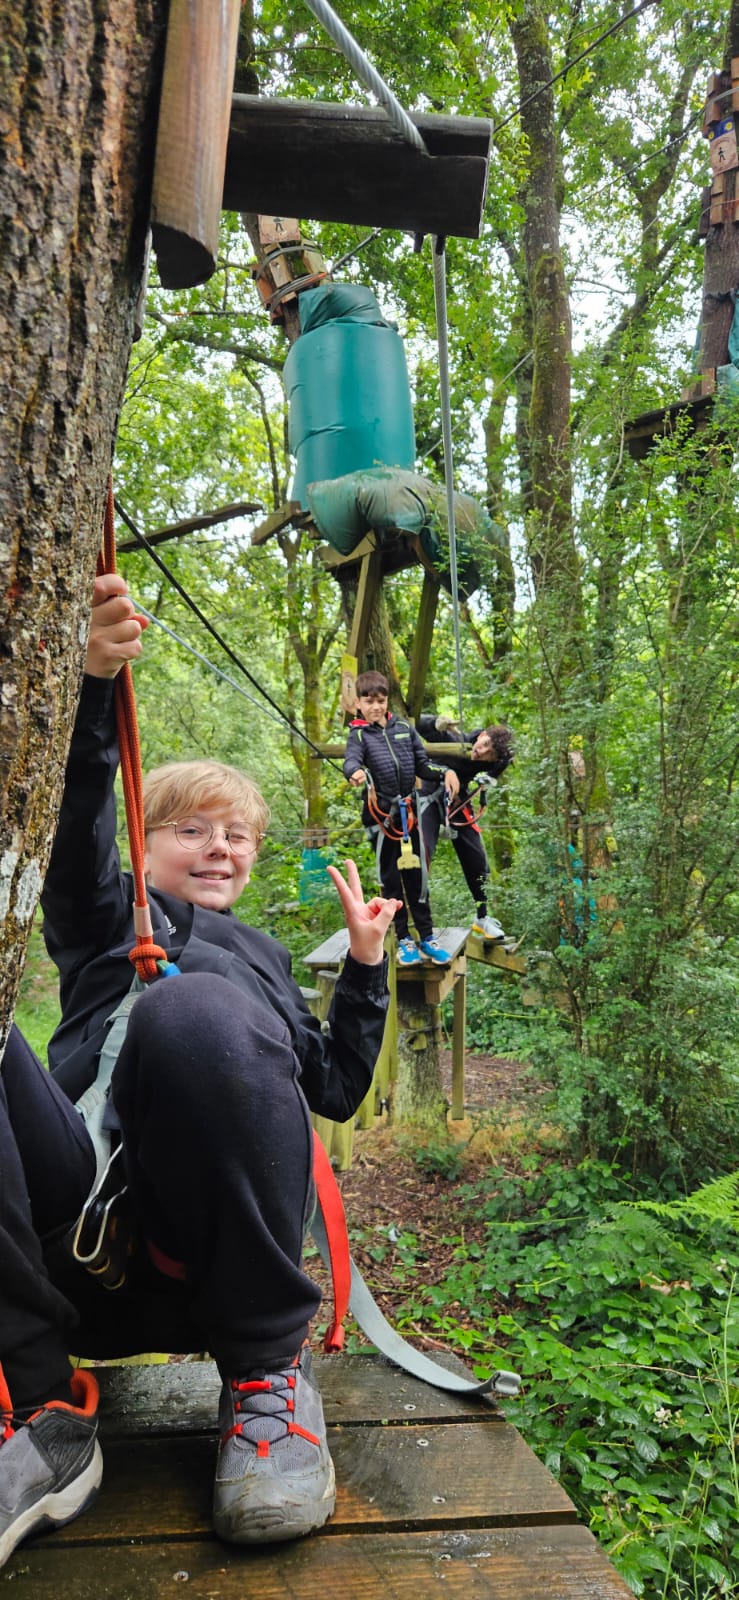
[
  {"x": 469, "y": 847},
  {"x": 218, "y": 1151}
]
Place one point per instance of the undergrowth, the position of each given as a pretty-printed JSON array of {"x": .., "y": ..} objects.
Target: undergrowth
[{"x": 620, "y": 1310}]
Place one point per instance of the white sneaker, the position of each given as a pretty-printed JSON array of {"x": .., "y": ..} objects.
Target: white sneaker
[{"x": 488, "y": 928}]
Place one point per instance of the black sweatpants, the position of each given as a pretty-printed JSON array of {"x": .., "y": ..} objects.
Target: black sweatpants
[
  {"x": 467, "y": 842},
  {"x": 218, "y": 1149}
]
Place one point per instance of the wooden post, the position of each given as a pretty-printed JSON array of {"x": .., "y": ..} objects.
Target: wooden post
[
  {"x": 422, "y": 644},
  {"x": 418, "y": 1097},
  {"x": 458, "y": 1032},
  {"x": 194, "y": 120},
  {"x": 370, "y": 574}
]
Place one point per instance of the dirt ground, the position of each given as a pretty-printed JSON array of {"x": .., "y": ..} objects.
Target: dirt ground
[{"x": 386, "y": 1190}]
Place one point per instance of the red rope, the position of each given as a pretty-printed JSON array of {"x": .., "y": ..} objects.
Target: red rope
[{"x": 145, "y": 952}]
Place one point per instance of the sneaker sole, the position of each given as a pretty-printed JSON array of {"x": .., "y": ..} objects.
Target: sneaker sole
[
  {"x": 256, "y": 1523},
  {"x": 54, "y": 1510}
]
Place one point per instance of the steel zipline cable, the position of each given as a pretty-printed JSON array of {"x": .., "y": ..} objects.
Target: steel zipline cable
[
  {"x": 588, "y": 51},
  {"x": 213, "y": 631},
  {"x": 408, "y": 131}
]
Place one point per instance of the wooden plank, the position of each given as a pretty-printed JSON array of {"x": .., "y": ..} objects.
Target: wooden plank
[
  {"x": 331, "y": 953},
  {"x": 440, "y": 752},
  {"x": 494, "y": 955},
  {"x": 438, "y": 982},
  {"x": 343, "y": 163},
  {"x": 183, "y": 1396},
  {"x": 561, "y": 1563},
  {"x": 388, "y": 1477}
]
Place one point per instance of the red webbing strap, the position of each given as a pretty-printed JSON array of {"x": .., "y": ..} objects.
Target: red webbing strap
[
  {"x": 145, "y": 953},
  {"x": 334, "y": 1218}
]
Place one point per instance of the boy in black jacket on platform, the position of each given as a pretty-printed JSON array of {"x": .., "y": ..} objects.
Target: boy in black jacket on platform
[
  {"x": 390, "y": 750},
  {"x": 219, "y": 1070},
  {"x": 487, "y": 754}
]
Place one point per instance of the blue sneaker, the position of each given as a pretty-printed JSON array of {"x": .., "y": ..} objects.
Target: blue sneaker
[
  {"x": 408, "y": 953},
  {"x": 435, "y": 952}
]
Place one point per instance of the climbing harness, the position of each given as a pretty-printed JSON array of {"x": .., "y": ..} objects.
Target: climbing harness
[{"x": 397, "y": 824}]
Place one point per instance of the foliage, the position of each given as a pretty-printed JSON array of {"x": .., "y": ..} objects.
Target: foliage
[{"x": 624, "y": 1325}]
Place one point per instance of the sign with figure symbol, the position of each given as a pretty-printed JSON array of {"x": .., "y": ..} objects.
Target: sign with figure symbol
[{"x": 722, "y": 146}]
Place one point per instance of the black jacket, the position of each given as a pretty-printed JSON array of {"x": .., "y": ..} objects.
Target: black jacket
[
  {"x": 88, "y": 927},
  {"x": 393, "y": 755},
  {"x": 466, "y": 769}
]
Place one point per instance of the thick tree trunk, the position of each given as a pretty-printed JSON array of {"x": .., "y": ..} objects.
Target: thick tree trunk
[
  {"x": 552, "y": 550},
  {"x": 721, "y": 267},
  {"x": 78, "y": 97}
]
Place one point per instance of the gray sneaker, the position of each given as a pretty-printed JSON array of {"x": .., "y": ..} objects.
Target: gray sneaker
[
  {"x": 51, "y": 1464},
  {"x": 274, "y": 1477}
]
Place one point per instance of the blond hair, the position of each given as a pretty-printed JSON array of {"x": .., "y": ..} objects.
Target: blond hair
[{"x": 182, "y": 788}]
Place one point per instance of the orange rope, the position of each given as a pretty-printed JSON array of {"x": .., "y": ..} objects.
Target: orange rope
[
  {"x": 145, "y": 953},
  {"x": 382, "y": 818}
]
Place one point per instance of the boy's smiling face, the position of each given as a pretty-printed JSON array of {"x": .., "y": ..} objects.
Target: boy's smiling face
[
  {"x": 373, "y": 706},
  {"x": 210, "y": 875}
]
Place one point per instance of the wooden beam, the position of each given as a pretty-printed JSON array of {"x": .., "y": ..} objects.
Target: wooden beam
[
  {"x": 495, "y": 955},
  {"x": 641, "y": 433},
  {"x": 207, "y": 519},
  {"x": 192, "y": 136},
  {"x": 342, "y": 163},
  {"x": 422, "y": 644},
  {"x": 286, "y": 516},
  {"x": 437, "y": 750},
  {"x": 332, "y": 558},
  {"x": 396, "y": 553},
  {"x": 370, "y": 574}
]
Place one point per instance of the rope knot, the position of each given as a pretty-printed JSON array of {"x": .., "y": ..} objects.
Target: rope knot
[{"x": 145, "y": 956}]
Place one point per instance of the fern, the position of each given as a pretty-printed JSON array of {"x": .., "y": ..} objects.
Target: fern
[{"x": 714, "y": 1202}]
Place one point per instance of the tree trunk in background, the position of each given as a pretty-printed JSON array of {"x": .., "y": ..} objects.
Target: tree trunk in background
[
  {"x": 721, "y": 265},
  {"x": 552, "y": 551},
  {"x": 78, "y": 101}
]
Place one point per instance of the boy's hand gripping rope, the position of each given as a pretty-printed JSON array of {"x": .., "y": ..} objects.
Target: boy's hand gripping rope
[{"x": 148, "y": 958}]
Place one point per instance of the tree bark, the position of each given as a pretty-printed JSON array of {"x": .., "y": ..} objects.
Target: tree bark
[
  {"x": 721, "y": 265},
  {"x": 78, "y": 98}
]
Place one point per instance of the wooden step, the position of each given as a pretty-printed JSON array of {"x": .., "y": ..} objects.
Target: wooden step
[{"x": 437, "y": 1496}]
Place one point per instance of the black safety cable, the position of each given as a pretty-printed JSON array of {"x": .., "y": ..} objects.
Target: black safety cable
[{"x": 213, "y": 631}]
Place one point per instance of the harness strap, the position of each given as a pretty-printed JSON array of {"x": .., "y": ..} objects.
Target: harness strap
[
  {"x": 330, "y": 1234},
  {"x": 92, "y": 1104}
]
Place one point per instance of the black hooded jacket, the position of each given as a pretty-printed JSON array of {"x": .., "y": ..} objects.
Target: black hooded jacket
[
  {"x": 393, "y": 755},
  {"x": 87, "y": 902}
]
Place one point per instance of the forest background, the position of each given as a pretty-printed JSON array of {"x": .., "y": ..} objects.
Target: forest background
[{"x": 603, "y": 632}]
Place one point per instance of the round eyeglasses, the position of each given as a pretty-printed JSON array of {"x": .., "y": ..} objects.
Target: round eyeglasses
[{"x": 195, "y": 835}]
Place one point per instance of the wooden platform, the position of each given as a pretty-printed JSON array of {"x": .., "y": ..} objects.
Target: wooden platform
[{"x": 438, "y": 1498}]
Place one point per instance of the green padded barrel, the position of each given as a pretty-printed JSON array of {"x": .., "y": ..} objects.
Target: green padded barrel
[{"x": 349, "y": 402}]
